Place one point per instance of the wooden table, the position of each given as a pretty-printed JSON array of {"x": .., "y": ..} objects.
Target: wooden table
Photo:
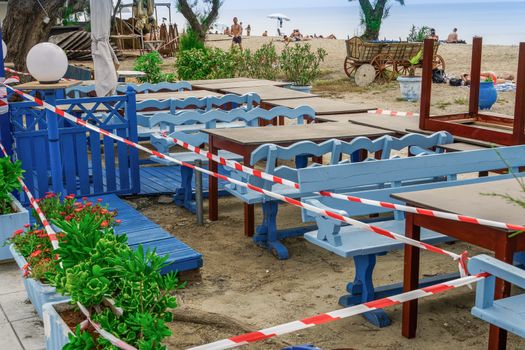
[
  {"x": 343, "y": 118},
  {"x": 269, "y": 92},
  {"x": 217, "y": 81},
  {"x": 466, "y": 200},
  {"x": 244, "y": 141},
  {"x": 323, "y": 105},
  {"x": 399, "y": 125},
  {"x": 124, "y": 74},
  {"x": 218, "y": 86}
]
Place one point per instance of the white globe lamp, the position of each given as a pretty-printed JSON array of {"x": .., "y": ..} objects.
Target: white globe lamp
[{"x": 47, "y": 63}]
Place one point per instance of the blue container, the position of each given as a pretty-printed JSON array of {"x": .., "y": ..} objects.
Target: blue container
[
  {"x": 487, "y": 94},
  {"x": 9, "y": 223},
  {"x": 37, "y": 292},
  {"x": 306, "y": 89},
  {"x": 302, "y": 347},
  {"x": 55, "y": 329}
]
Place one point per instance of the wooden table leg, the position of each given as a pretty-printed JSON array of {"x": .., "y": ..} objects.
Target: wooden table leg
[
  {"x": 213, "y": 195},
  {"x": 249, "y": 209},
  {"x": 497, "y": 336},
  {"x": 410, "y": 278}
]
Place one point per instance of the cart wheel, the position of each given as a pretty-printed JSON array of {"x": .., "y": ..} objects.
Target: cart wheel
[
  {"x": 438, "y": 62},
  {"x": 350, "y": 67},
  {"x": 384, "y": 66},
  {"x": 402, "y": 68},
  {"x": 365, "y": 75}
]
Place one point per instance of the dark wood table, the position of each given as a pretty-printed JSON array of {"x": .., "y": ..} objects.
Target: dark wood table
[
  {"x": 268, "y": 92},
  {"x": 467, "y": 200},
  {"x": 323, "y": 106},
  {"x": 399, "y": 125},
  {"x": 244, "y": 141}
]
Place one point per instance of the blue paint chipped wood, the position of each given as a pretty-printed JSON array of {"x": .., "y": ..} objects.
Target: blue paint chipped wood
[{"x": 141, "y": 230}]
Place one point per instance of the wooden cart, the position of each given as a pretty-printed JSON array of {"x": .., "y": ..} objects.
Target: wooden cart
[{"x": 389, "y": 59}]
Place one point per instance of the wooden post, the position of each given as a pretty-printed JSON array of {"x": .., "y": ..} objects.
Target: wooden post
[
  {"x": 475, "y": 72},
  {"x": 518, "y": 136},
  {"x": 426, "y": 85},
  {"x": 198, "y": 194},
  {"x": 5, "y": 124}
]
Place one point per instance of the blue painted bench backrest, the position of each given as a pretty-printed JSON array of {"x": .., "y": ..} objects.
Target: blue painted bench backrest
[
  {"x": 84, "y": 90},
  {"x": 212, "y": 119},
  {"x": 402, "y": 175},
  {"x": 246, "y": 101},
  {"x": 337, "y": 149}
]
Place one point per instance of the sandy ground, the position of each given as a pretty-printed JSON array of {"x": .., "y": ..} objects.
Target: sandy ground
[
  {"x": 334, "y": 83},
  {"x": 244, "y": 288}
]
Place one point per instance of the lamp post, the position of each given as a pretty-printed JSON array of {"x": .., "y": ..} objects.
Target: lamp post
[{"x": 48, "y": 63}]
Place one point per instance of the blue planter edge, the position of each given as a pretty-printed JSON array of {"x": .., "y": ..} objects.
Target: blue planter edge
[
  {"x": 56, "y": 330},
  {"x": 10, "y": 223},
  {"x": 37, "y": 292}
]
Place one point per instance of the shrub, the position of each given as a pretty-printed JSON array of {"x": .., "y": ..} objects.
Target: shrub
[
  {"x": 9, "y": 174},
  {"x": 300, "y": 64},
  {"x": 190, "y": 40},
  {"x": 150, "y": 64},
  {"x": 262, "y": 64},
  {"x": 418, "y": 34},
  {"x": 208, "y": 63}
]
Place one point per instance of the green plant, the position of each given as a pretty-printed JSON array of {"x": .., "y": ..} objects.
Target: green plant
[
  {"x": 300, "y": 64},
  {"x": 262, "y": 64},
  {"x": 190, "y": 40},
  {"x": 418, "y": 34},
  {"x": 79, "y": 340},
  {"x": 150, "y": 64},
  {"x": 208, "y": 63},
  {"x": 9, "y": 174}
]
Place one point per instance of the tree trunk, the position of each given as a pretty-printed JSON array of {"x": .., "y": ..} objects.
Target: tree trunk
[
  {"x": 24, "y": 27},
  {"x": 199, "y": 24},
  {"x": 372, "y": 17}
]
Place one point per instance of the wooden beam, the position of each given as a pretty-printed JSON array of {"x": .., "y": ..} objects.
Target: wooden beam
[
  {"x": 519, "y": 109},
  {"x": 426, "y": 85},
  {"x": 475, "y": 72}
]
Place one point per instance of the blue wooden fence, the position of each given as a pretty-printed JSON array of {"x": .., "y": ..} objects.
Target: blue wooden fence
[{"x": 91, "y": 164}]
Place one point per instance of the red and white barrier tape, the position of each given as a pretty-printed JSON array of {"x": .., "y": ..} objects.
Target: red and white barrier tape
[
  {"x": 263, "y": 175},
  {"x": 54, "y": 242},
  {"x": 395, "y": 236},
  {"x": 380, "y": 111},
  {"x": 12, "y": 71},
  {"x": 309, "y": 322}
]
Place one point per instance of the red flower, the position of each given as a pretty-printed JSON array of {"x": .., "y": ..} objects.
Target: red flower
[
  {"x": 27, "y": 225},
  {"x": 26, "y": 273},
  {"x": 118, "y": 221},
  {"x": 84, "y": 199},
  {"x": 50, "y": 195},
  {"x": 70, "y": 196},
  {"x": 104, "y": 224},
  {"x": 36, "y": 253},
  {"x": 78, "y": 210},
  {"x": 88, "y": 204},
  {"x": 18, "y": 232},
  {"x": 25, "y": 267},
  {"x": 99, "y": 200},
  {"x": 78, "y": 204}
]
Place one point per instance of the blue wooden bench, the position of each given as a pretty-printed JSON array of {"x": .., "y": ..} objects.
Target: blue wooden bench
[
  {"x": 85, "y": 90},
  {"x": 141, "y": 230},
  {"x": 378, "y": 180},
  {"x": 267, "y": 234},
  {"x": 149, "y": 108},
  {"x": 507, "y": 313},
  {"x": 188, "y": 126}
]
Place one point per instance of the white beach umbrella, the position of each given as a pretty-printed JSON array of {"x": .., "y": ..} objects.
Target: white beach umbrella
[
  {"x": 104, "y": 59},
  {"x": 279, "y": 16}
]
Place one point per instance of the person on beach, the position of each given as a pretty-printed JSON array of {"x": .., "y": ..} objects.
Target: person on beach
[
  {"x": 248, "y": 30},
  {"x": 236, "y": 31},
  {"x": 453, "y": 37},
  {"x": 242, "y": 28},
  {"x": 265, "y": 33},
  {"x": 433, "y": 34}
]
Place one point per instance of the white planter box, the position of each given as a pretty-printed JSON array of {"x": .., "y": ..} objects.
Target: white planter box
[
  {"x": 55, "y": 329},
  {"x": 9, "y": 223},
  {"x": 37, "y": 292}
]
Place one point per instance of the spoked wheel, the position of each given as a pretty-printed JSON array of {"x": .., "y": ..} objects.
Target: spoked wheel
[
  {"x": 384, "y": 66},
  {"x": 438, "y": 62},
  {"x": 402, "y": 68},
  {"x": 350, "y": 67}
]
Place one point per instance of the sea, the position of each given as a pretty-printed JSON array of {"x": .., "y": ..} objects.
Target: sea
[{"x": 498, "y": 22}]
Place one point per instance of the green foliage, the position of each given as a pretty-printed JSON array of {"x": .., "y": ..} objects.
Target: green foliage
[
  {"x": 262, "y": 64},
  {"x": 150, "y": 64},
  {"x": 418, "y": 34},
  {"x": 208, "y": 63},
  {"x": 9, "y": 174},
  {"x": 372, "y": 14},
  {"x": 190, "y": 40},
  {"x": 79, "y": 341},
  {"x": 300, "y": 64}
]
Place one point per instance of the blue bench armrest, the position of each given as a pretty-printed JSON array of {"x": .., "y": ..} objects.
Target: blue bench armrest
[
  {"x": 327, "y": 228},
  {"x": 485, "y": 288}
]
